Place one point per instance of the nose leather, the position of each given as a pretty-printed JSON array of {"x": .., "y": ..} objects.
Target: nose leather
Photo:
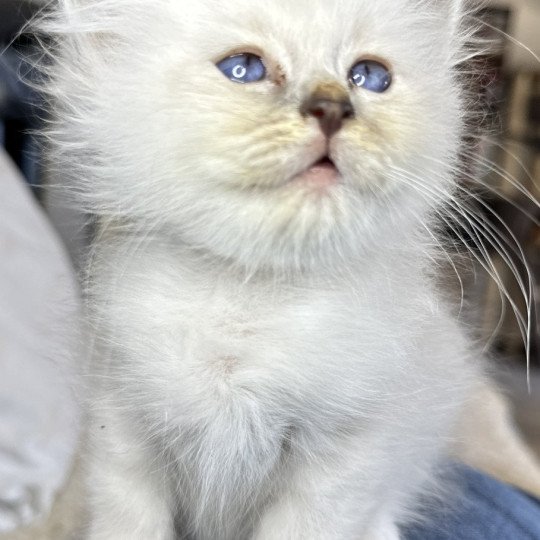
[{"x": 329, "y": 111}]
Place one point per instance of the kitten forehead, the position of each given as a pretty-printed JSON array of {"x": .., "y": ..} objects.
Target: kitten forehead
[
  {"x": 319, "y": 30},
  {"x": 308, "y": 9},
  {"x": 322, "y": 15},
  {"x": 316, "y": 31}
]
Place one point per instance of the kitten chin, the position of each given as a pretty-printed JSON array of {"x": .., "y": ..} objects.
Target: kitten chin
[{"x": 272, "y": 358}]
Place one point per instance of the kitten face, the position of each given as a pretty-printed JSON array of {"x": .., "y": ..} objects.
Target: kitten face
[{"x": 230, "y": 164}]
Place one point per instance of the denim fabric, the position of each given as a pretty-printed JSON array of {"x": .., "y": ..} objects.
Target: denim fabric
[{"x": 484, "y": 509}]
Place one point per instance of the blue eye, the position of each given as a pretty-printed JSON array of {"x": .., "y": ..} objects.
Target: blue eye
[
  {"x": 370, "y": 75},
  {"x": 243, "y": 68}
]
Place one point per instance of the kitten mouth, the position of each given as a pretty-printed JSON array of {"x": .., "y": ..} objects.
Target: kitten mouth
[
  {"x": 324, "y": 162},
  {"x": 321, "y": 175}
]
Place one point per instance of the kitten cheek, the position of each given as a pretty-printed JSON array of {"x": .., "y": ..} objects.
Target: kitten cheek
[
  {"x": 361, "y": 155},
  {"x": 263, "y": 156}
]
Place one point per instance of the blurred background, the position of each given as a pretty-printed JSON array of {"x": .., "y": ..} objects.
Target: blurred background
[{"x": 41, "y": 239}]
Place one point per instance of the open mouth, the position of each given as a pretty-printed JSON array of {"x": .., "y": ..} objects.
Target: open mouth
[
  {"x": 321, "y": 175},
  {"x": 325, "y": 161}
]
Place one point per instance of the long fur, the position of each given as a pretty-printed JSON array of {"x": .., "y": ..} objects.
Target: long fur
[{"x": 270, "y": 361}]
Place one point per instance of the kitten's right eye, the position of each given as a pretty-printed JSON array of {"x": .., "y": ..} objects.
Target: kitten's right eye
[{"x": 243, "y": 68}]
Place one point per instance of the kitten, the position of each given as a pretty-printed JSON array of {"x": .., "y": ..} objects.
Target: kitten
[{"x": 272, "y": 357}]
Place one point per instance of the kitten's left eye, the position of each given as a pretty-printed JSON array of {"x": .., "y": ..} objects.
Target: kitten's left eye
[
  {"x": 243, "y": 68},
  {"x": 370, "y": 75}
]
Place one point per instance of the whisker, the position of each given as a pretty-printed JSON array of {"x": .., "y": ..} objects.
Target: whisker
[{"x": 495, "y": 240}]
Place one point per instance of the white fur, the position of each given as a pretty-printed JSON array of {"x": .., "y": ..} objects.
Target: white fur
[{"x": 271, "y": 362}]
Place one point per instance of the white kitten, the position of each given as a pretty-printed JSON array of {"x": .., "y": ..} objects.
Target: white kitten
[{"x": 272, "y": 358}]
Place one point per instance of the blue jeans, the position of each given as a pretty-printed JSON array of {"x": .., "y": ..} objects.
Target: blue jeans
[{"x": 484, "y": 509}]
